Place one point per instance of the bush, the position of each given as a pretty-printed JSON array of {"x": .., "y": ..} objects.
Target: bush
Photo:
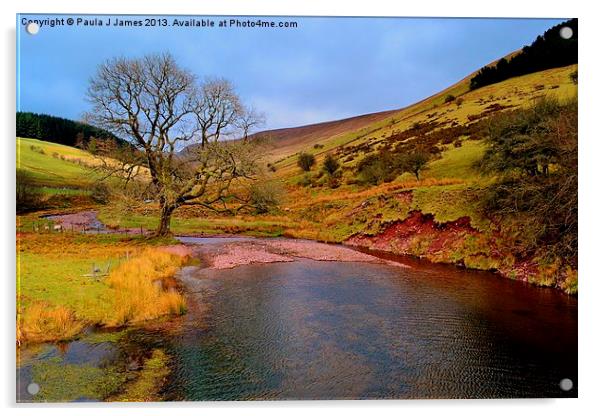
[
  {"x": 449, "y": 98},
  {"x": 29, "y": 196},
  {"x": 573, "y": 77},
  {"x": 306, "y": 161},
  {"x": 305, "y": 180},
  {"x": 533, "y": 151},
  {"x": 459, "y": 101},
  {"x": 414, "y": 162},
  {"x": 37, "y": 149},
  {"x": 375, "y": 169},
  {"x": 100, "y": 193},
  {"x": 330, "y": 165},
  {"x": 333, "y": 182},
  {"x": 266, "y": 196}
]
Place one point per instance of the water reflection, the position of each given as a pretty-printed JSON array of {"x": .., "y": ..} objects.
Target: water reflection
[{"x": 327, "y": 330}]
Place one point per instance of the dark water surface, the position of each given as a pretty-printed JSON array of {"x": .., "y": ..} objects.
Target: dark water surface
[{"x": 327, "y": 330}]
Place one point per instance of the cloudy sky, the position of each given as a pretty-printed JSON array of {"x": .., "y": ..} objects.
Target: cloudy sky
[{"x": 324, "y": 69}]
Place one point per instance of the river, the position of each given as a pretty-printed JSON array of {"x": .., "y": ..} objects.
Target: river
[{"x": 308, "y": 329}]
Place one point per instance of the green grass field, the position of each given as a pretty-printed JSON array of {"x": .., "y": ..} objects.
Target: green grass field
[{"x": 53, "y": 166}]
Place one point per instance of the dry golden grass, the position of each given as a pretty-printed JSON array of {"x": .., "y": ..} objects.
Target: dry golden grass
[
  {"x": 143, "y": 288},
  {"x": 303, "y": 196},
  {"x": 42, "y": 322},
  {"x": 56, "y": 298}
]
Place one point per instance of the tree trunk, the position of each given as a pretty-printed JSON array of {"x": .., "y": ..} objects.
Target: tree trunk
[{"x": 165, "y": 221}]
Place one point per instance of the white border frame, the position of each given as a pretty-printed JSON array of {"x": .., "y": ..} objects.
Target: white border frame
[{"x": 590, "y": 74}]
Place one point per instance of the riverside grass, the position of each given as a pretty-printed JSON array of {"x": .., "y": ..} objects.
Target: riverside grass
[
  {"x": 139, "y": 283},
  {"x": 56, "y": 301}
]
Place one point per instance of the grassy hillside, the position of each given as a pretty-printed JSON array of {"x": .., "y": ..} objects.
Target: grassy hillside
[
  {"x": 54, "y": 165},
  {"x": 289, "y": 141},
  {"x": 511, "y": 93},
  {"x": 448, "y": 191}
]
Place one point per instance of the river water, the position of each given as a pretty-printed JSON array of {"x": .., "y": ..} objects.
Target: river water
[{"x": 334, "y": 330}]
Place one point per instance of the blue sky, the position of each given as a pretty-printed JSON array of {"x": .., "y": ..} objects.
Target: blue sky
[{"x": 325, "y": 69}]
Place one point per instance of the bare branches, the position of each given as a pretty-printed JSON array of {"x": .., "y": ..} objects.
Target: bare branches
[
  {"x": 145, "y": 100},
  {"x": 249, "y": 120},
  {"x": 217, "y": 109},
  {"x": 159, "y": 108}
]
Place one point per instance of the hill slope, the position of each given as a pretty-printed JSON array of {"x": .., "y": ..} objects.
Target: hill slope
[
  {"x": 54, "y": 165},
  {"x": 436, "y": 217}
]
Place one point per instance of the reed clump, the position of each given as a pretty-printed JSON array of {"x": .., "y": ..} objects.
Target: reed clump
[
  {"x": 42, "y": 322},
  {"x": 145, "y": 289}
]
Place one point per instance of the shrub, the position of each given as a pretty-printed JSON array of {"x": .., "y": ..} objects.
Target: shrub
[
  {"x": 334, "y": 182},
  {"x": 375, "y": 169},
  {"x": 306, "y": 161},
  {"x": 29, "y": 196},
  {"x": 266, "y": 196},
  {"x": 459, "y": 101},
  {"x": 449, "y": 98},
  {"x": 458, "y": 143},
  {"x": 305, "y": 180},
  {"x": 573, "y": 76},
  {"x": 414, "y": 162},
  {"x": 533, "y": 152},
  {"x": 37, "y": 149},
  {"x": 330, "y": 165},
  {"x": 100, "y": 192}
]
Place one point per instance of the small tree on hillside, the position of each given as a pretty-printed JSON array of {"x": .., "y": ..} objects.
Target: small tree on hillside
[
  {"x": 249, "y": 120},
  {"x": 306, "y": 161},
  {"x": 414, "y": 162},
  {"x": 330, "y": 164}
]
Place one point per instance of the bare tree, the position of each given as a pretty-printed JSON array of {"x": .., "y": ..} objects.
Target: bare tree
[
  {"x": 249, "y": 120},
  {"x": 160, "y": 108}
]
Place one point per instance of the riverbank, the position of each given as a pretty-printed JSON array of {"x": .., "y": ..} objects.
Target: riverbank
[
  {"x": 68, "y": 282},
  {"x": 460, "y": 242},
  {"x": 234, "y": 252}
]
